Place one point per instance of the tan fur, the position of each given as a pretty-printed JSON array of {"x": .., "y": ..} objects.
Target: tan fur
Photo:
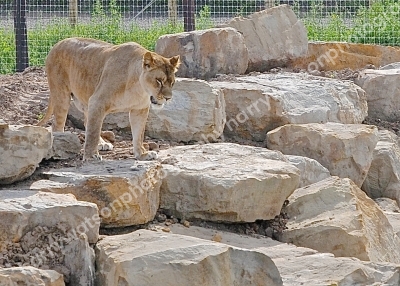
[{"x": 103, "y": 78}]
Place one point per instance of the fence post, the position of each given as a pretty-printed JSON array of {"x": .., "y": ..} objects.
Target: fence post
[
  {"x": 188, "y": 15},
  {"x": 172, "y": 12},
  {"x": 21, "y": 37},
  {"x": 269, "y": 4},
  {"x": 73, "y": 12}
]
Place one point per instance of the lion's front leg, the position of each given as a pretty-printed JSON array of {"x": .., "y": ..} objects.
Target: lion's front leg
[
  {"x": 138, "y": 120},
  {"x": 93, "y": 130}
]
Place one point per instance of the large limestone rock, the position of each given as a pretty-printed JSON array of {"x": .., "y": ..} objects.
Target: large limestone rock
[
  {"x": 381, "y": 87},
  {"x": 335, "y": 216},
  {"x": 225, "y": 182},
  {"x": 29, "y": 275},
  {"x": 49, "y": 231},
  {"x": 310, "y": 170},
  {"x": 22, "y": 147},
  {"x": 23, "y": 210},
  {"x": 274, "y": 37},
  {"x": 383, "y": 178},
  {"x": 206, "y": 53},
  {"x": 125, "y": 193},
  {"x": 153, "y": 258},
  {"x": 340, "y": 55},
  {"x": 344, "y": 149},
  {"x": 392, "y": 211},
  {"x": 196, "y": 111},
  {"x": 66, "y": 145},
  {"x": 258, "y": 104},
  {"x": 304, "y": 266}
]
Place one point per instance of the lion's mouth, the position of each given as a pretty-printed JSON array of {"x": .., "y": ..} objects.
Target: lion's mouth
[{"x": 154, "y": 101}]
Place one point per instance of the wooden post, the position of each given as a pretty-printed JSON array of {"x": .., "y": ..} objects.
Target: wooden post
[
  {"x": 21, "y": 37},
  {"x": 73, "y": 12},
  {"x": 173, "y": 12},
  {"x": 188, "y": 15}
]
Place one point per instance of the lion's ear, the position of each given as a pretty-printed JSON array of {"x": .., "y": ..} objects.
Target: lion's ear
[
  {"x": 148, "y": 60},
  {"x": 175, "y": 62}
]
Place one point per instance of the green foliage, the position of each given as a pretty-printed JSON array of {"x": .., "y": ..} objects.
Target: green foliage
[
  {"x": 7, "y": 51},
  {"x": 203, "y": 20},
  {"x": 378, "y": 24}
]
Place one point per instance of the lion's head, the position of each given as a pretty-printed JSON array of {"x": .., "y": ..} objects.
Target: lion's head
[{"x": 159, "y": 77}]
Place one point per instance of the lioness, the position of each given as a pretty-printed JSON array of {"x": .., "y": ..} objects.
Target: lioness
[{"x": 102, "y": 78}]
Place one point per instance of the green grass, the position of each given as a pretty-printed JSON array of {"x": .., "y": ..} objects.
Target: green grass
[
  {"x": 42, "y": 38},
  {"x": 378, "y": 24}
]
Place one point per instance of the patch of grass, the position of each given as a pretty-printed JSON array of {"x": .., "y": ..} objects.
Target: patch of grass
[{"x": 378, "y": 24}]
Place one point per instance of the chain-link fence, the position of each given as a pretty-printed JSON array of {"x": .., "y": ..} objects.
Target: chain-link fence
[{"x": 143, "y": 21}]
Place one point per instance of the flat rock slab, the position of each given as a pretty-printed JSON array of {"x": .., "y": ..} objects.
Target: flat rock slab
[
  {"x": 23, "y": 210},
  {"x": 22, "y": 148},
  {"x": 260, "y": 103},
  {"x": 346, "y": 150},
  {"x": 206, "y": 53},
  {"x": 153, "y": 258},
  {"x": 335, "y": 216},
  {"x": 226, "y": 182},
  {"x": 274, "y": 37},
  {"x": 29, "y": 275},
  {"x": 126, "y": 193}
]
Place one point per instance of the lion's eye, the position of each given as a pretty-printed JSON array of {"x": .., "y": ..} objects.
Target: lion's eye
[{"x": 159, "y": 82}]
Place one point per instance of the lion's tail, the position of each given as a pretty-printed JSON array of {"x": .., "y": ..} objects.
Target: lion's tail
[{"x": 48, "y": 114}]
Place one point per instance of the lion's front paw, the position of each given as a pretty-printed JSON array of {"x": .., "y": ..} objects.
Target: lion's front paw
[
  {"x": 104, "y": 146},
  {"x": 151, "y": 155}
]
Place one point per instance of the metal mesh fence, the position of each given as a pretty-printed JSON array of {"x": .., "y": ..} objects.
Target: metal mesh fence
[{"x": 143, "y": 21}]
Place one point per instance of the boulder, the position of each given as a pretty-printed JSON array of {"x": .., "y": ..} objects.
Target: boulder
[
  {"x": 326, "y": 56},
  {"x": 49, "y": 231},
  {"x": 335, "y": 216},
  {"x": 206, "y": 53},
  {"x": 273, "y": 37},
  {"x": 66, "y": 145},
  {"x": 310, "y": 170},
  {"x": 381, "y": 87},
  {"x": 392, "y": 211},
  {"x": 22, "y": 148},
  {"x": 259, "y": 103},
  {"x": 225, "y": 182},
  {"x": 153, "y": 258},
  {"x": 23, "y": 210},
  {"x": 346, "y": 150},
  {"x": 304, "y": 266},
  {"x": 383, "y": 178},
  {"x": 79, "y": 259},
  {"x": 195, "y": 112},
  {"x": 126, "y": 194},
  {"x": 29, "y": 275}
]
